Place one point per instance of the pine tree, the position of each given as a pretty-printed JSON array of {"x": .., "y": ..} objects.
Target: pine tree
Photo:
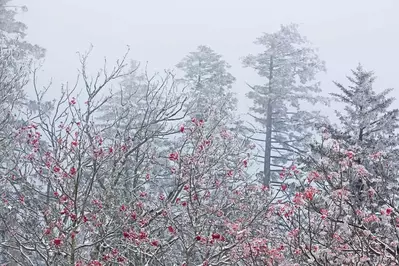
[
  {"x": 13, "y": 32},
  {"x": 209, "y": 85},
  {"x": 16, "y": 58},
  {"x": 369, "y": 126},
  {"x": 289, "y": 65},
  {"x": 367, "y": 120}
]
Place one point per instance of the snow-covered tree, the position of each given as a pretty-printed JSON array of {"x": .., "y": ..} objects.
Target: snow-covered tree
[
  {"x": 369, "y": 125},
  {"x": 289, "y": 64},
  {"x": 13, "y": 32},
  {"x": 368, "y": 120},
  {"x": 63, "y": 202},
  {"x": 145, "y": 112},
  {"x": 323, "y": 220},
  {"x": 16, "y": 58},
  {"x": 208, "y": 85}
]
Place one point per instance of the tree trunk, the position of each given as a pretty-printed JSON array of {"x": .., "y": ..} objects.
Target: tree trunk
[
  {"x": 268, "y": 145},
  {"x": 269, "y": 123}
]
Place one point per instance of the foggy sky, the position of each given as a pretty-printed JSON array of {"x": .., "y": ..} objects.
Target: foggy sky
[{"x": 163, "y": 31}]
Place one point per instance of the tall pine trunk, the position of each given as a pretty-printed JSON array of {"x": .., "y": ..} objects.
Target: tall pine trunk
[
  {"x": 269, "y": 123},
  {"x": 268, "y": 145}
]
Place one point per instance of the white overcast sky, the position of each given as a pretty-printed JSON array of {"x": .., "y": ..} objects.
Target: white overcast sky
[{"x": 163, "y": 31}]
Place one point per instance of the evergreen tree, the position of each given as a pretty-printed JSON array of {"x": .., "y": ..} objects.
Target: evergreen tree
[
  {"x": 369, "y": 126},
  {"x": 209, "y": 85},
  {"x": 367, "y": 120},
  {"x": 13, "y": 32},
  {"x": 289, "y": 65}
]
